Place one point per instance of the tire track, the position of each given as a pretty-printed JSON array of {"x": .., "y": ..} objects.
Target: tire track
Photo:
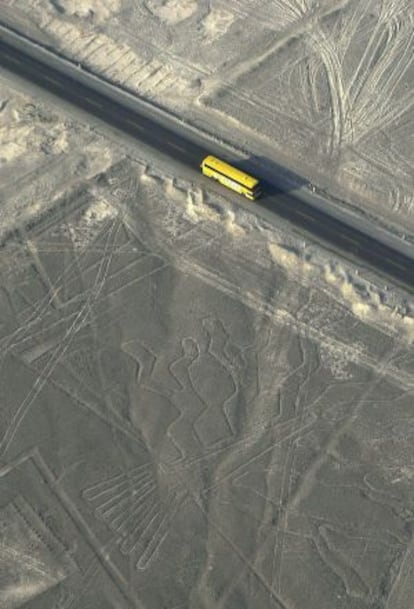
[{"x": 59, "y": 352}]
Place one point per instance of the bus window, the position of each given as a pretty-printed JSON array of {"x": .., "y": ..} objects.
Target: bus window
[{"x": 232, "y": 178}]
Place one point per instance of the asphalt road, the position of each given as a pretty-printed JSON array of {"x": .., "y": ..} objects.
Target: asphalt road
[{"x": 355, "y": 245}]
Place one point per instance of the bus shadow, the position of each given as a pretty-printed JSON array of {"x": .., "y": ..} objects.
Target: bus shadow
[{"x": 275, "y": 178}]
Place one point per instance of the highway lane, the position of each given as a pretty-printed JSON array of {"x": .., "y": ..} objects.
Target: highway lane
[
  {"x": 147, "y": 131},
  {"x": 355, "y": 245}
]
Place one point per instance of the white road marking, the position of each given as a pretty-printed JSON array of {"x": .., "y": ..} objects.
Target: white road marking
[
  {"x": 134, "y": 124},
  {"x": 175, "y": 146},
  {"x": 46, "y": 77},
  {"x": 93, "y": 102}
]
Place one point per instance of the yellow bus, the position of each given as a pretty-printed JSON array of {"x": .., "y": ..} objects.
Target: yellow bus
[{"x": 229, "y": 176}]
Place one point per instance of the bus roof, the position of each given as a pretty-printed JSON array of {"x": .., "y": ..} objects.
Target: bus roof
[{"x": 230, "y": 171}]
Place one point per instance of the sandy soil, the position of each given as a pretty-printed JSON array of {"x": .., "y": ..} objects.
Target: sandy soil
[
  {"x": 197, "y": 409},
  {"x": 322, "y": 87}
]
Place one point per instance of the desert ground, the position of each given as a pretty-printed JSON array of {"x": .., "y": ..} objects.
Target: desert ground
[
  {"x": 199, "y": 409},
  {"x": 323, "y": 87}
]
